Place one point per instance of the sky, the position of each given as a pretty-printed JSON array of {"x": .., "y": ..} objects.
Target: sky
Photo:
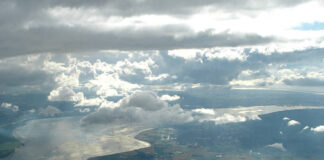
[
  {"x": 114, "y": 48},
  {"x": 136, "y": 60},
  {"x": 87, "y": 52}
]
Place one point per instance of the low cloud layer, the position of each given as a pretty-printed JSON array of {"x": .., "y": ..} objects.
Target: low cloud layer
[
  {"x": 146, "y": 108},
  {"x": 293, "y": 123},
  {"x": 91, "y": 81},
  {"x": 49, "y": 111},
  {"x": 65, "y": 139},
  {"x": 9, "y": 106},
  {"x": 143, "y": 108},
  {"x": 318, "y": 129},
  {"x": 243, "y": 114}
]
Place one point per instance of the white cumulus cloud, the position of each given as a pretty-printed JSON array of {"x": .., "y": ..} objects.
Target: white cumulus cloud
[
  {"x": 167, "y": 97},
  {"x": 144, "y": 108},
  {"x": 13, "y": 108},
  {"x": 318, "y": 129},
  {"x": 65, "y": 94},
  {"x": 49, "y": 111},
  {"x": 293, "y": 123}
]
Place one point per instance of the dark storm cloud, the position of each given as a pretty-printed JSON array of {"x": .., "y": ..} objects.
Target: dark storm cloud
[
  {"x": 171, "y": 7},
  {"x": 140, "y": 7},
  {"x": 52, "y": 37},
  {"x": 62, "y": 39}
]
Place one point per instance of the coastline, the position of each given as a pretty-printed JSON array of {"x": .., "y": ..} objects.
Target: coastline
[{"x": 63, "y": 138}]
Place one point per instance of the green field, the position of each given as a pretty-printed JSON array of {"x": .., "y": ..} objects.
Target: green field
[
  {"x": 7, "y": 142},
  {"x": 8, "y": 147}
]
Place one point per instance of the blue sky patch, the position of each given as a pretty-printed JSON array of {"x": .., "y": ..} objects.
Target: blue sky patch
[{"x": 311, "y": 26}]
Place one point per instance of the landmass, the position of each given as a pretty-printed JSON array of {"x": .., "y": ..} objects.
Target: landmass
[
  {"x": 251, "y": 140},
  {"x": 7, "y": 142}
]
